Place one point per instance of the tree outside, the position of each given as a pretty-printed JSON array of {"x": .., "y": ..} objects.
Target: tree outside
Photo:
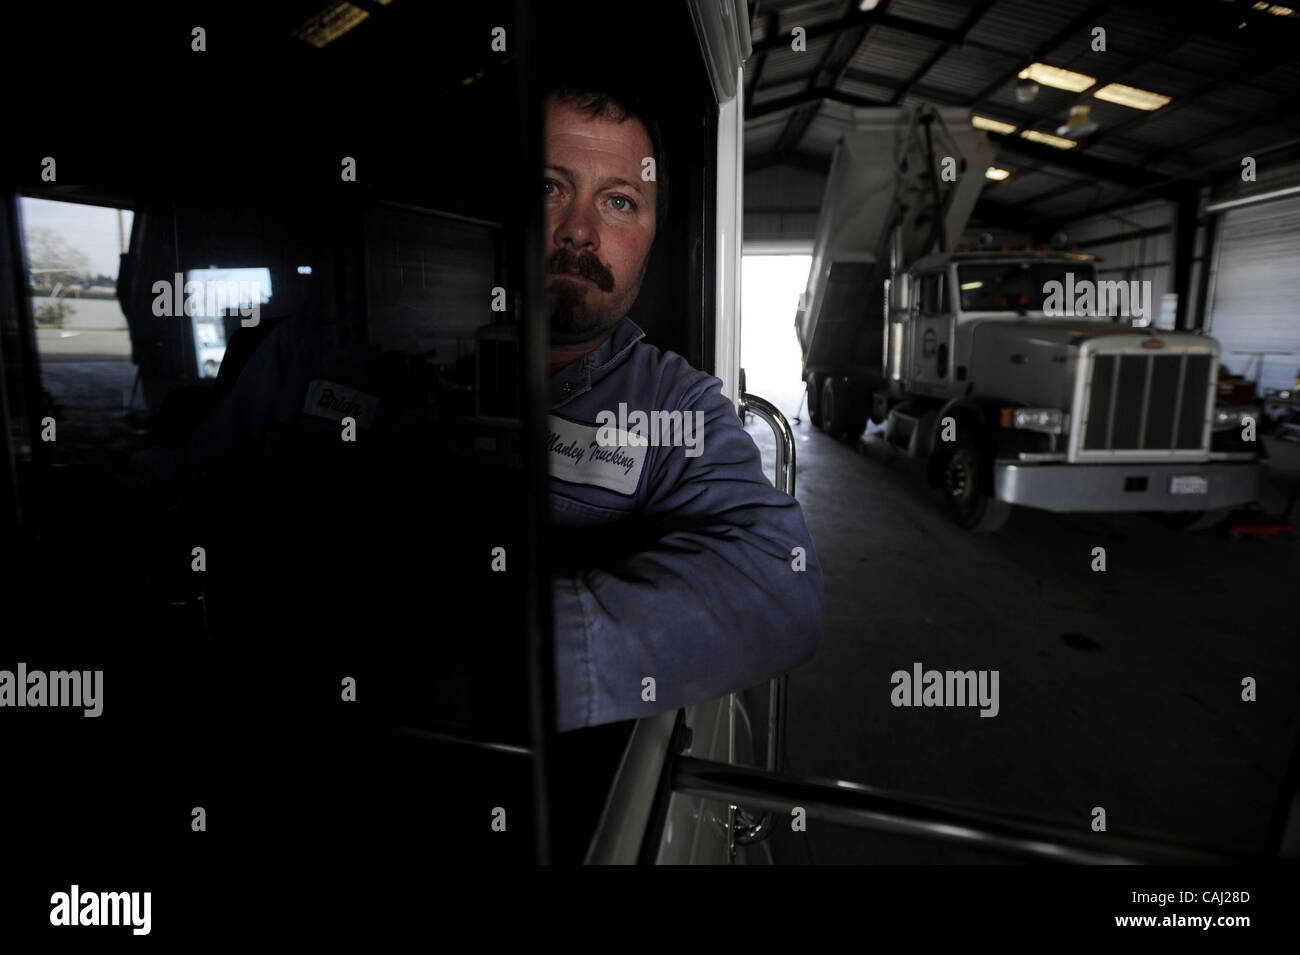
[{"x": 52, "y": 260}]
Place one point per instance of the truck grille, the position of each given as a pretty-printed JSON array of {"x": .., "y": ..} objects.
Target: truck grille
[{"x": 1147, "y": 402}]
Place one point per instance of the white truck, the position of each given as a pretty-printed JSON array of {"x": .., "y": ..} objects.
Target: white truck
[{"x": 1016, "y": 375}]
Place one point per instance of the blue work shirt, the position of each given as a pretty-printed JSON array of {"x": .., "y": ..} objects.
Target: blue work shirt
[{"x": 714, "y": 584}]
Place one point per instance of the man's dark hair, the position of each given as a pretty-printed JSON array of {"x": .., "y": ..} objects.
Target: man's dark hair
[{"x": 600, "y": 103}]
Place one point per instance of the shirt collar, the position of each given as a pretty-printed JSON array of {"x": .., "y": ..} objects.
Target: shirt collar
[{"x": 577, "y": 377}]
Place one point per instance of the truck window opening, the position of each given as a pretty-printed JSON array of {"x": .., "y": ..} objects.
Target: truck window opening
[{"x": 1013, "y": 287}]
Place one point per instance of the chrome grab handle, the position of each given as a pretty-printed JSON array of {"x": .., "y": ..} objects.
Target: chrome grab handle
[
  {"x": 748, "y": 831},
  {"x": 784, "y": 437}
]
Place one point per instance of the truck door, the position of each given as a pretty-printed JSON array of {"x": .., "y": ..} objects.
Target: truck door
[
  {"x": 348, "y": 652},
  {"x": 930, "y": 333}
]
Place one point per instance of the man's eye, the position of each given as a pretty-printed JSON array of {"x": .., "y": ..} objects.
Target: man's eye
[
  {"x": 627, "y": 204},
  {"x": 547, "y": 186}
]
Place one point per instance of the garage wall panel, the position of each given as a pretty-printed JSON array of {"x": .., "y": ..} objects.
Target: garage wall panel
[
  {"x": 1145, "y": 259},
  {"x": 1255, "y": 303}
]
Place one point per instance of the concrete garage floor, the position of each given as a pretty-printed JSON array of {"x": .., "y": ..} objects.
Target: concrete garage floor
[{"x": 1119, "y": 689}]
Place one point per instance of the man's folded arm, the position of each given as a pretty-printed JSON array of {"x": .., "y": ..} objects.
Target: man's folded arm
[{"x": 727, "y": 596}]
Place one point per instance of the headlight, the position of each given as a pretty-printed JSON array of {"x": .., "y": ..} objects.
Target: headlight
[
  {"x": 1048, "y": 420},
  {"x": 1227, "y": 417}
]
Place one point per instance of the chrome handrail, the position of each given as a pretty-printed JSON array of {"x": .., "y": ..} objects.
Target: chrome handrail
[
  {"x": 784, "y": 438},
  {"x": 867, "y": 807},
  {"x": 752, "y": 831},
  {"x": 747, "y": 831}
]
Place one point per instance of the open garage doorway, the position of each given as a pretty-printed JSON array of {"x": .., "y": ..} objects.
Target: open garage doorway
[{"x": 769, "y": 348}]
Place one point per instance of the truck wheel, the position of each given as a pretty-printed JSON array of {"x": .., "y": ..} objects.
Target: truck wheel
[
  {"x": 815, "y": 400},
  {"x": 963, "y": 480},
  {"x": 828, "y": 406},
  {"x": 842, "y": 412}
]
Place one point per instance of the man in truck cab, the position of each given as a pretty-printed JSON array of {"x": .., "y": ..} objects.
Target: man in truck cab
[
  {"x": 684, "y": 574},
  {"x": 681, "y": 574}
]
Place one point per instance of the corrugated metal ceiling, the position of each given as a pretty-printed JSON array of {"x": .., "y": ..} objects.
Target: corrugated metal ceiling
[{"x": 1177, "y": 49}]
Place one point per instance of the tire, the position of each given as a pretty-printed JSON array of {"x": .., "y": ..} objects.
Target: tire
[
  {"x": 815, "y": 400},
  {"x": 828, "y": 405},
  {"x": 963, "y": 476},
  {"x": 843, "y": 414}
]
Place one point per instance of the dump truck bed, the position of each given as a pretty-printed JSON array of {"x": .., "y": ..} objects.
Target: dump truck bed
[{"x": 881, "y": 176}]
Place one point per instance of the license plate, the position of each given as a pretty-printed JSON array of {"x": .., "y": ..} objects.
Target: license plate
[{"x": 1188, "y": 484}]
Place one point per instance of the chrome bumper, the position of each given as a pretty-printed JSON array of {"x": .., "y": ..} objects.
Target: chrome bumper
[{"x": 1124, "y": 486}]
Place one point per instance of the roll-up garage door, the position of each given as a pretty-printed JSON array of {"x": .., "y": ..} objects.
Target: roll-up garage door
[{"x": 1256, "y": 297}]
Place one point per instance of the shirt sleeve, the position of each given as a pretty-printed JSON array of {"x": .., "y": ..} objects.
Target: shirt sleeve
[{"x": 727, "y": 595}]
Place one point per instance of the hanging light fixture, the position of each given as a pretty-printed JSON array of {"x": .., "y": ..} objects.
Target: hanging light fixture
[{"x": 1079, "y": 124}]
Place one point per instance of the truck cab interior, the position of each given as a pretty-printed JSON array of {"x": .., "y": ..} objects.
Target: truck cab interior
[{"x": 378, "y": 181}]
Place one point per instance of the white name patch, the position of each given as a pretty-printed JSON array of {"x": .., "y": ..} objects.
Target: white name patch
[
  {"x": 326, "y": 399},
  {"x": 577, "y": 456}
]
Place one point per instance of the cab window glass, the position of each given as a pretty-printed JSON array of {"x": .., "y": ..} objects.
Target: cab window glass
[{"x": 933, "y": 300}]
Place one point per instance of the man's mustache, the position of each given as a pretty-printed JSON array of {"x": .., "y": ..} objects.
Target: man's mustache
[{"x": 585, "y": 264}]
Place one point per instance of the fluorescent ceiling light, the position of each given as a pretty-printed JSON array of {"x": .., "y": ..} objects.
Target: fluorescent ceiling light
[
  {"x": 971, "y": 286},
  {"x": 992, "y": 125},
  {"x": 997, "y": 175},
  {"x": 1131, "y": 96},
  {"x": 1057, "y": 77},
  {"x": 331, "y": 23},
  {"x": 1048, "y": 139}
]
